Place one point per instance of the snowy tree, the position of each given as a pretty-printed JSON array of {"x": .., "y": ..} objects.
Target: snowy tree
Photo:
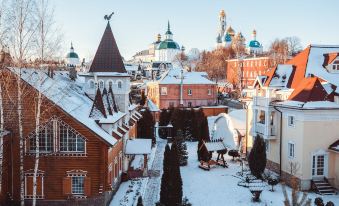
[
  {"x": 140, "y": 203},
  {"x": 257, "y": 158},
  {"x": 175, "y": 193},
  {"x": 165, "y": 179},
  {"x": 181, "y": 147}
]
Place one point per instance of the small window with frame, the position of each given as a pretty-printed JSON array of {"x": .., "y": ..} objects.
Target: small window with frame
[
  {"x": 291, "y": 120},
  {"x": 291, "y": 149},
  {"x": 163, "y": 90},
  {"x": 189, "y": 91}
]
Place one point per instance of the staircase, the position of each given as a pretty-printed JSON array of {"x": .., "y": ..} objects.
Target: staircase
[{"x": 323, "y": 187}]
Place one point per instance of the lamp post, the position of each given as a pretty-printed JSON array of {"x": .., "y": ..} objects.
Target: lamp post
[{"x": 169, "y": 132}]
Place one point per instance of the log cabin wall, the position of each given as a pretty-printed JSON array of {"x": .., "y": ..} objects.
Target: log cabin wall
[{"x": 53, "y": 166}]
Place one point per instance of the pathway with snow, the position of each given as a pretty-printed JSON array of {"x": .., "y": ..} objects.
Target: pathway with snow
[{"x": 151, "y": 195}]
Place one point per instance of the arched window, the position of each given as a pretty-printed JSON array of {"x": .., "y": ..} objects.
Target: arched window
[
  {"x": 91, "y": 84},
  {"x": 101, "y": 84},
  {"x": 119, "y": 85},
  {"x": 110, "y": 84}
]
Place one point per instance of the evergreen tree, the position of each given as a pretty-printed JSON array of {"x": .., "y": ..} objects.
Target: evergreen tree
[
  {"x": 145, "y": 128},
  {"x": 175, "y": 184},
  {"x": 188, "y": 124},
  {"x": 165, "y": 179},
  {"x": 181, "y": 147},
  {"x": 140, "y": 203},
  {"x": 257, "y": 158},
  {"x": 143, "y": 98},
  {"x": 177, "y": 119},
  {"x": 199, "y": 150}
]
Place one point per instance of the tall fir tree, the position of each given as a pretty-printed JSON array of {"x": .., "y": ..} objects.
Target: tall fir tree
[
  {"x": 145, "y": 128},
  {"x": 140, "y": 203},
  {"x": 257, "y": 157},
  {"x": 175, "y": 185},
  {"x": 165, "y": 179},
  {"x": 181, "y": 147}
]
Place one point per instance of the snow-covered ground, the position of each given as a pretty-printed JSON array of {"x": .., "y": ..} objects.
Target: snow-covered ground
[{"x": 219, "y": 187}]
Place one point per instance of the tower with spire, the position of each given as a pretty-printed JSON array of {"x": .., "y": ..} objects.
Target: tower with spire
[
  {"x": 167, "y": 49},
  {"x": 254, "y": 47},
  {"x": 72, "y": 58},
  {"x": 107, "y": 72}
]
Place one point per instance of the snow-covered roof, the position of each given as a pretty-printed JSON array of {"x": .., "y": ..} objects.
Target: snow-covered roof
[
  {"x": 173, "y": 76},
  {"x": 104, "y": 74},
  {"x": 315, "y": 63},
  {"x": 281, "y": 75},
  {"x": 138, "y": 146},
  {"x": 152, "y": 107},
  {"x": 131, "y": 67},
  {"x": 238, "y": 118},
  {"x": 215, "y": 146},
  {"x": 309, "y": 105},
  {"x": 68, "y": 95}
]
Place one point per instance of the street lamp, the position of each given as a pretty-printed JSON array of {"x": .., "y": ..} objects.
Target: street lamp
[{"x": 169, "y": 132}]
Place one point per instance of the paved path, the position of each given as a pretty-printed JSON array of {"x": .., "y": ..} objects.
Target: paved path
[{"x": 151, "y": 195}]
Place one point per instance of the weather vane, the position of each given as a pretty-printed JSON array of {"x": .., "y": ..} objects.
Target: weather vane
[{"x": 108, "y": 17}]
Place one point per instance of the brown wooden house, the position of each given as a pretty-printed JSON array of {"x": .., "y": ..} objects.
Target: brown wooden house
[{"x": 81, "y": 138}]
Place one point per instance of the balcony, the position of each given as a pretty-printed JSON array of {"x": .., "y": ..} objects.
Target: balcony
[{"x": 268, "y": 131}]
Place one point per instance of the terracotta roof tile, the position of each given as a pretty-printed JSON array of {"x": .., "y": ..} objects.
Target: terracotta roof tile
[
  {"x": 310, "y": 89},
  {"x": 107, "y": 57}
]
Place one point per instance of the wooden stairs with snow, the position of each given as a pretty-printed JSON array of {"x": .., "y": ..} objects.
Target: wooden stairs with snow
[{"x": 322, "y": 187}]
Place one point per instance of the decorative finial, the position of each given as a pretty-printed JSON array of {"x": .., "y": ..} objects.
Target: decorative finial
[
  {"x": 168, "y": 26},
  {"x": 72, "y": 45},
  {"x": 108, "y": 17}
]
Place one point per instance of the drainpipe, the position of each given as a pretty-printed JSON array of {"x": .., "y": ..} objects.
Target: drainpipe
[{"x": 280, "y": 146}]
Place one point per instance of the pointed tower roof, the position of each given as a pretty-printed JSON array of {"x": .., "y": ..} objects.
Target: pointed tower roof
[
  {"x": 107, "y": 57},
  {"x": 168, "y": 28}
]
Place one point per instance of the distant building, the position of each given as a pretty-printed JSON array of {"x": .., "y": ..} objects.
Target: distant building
[
  {"x": 160, "y": 50},
  {"x": 72, "y": 58},
  {"x": 177, "y": 88},
  {"x": 246, "y": 70},
  {"x": 227, "y": 35}
]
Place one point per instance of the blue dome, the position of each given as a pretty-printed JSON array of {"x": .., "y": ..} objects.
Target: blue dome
[
  {"x": 255, "y": 44},
  {"x": 228, "y": 37}
]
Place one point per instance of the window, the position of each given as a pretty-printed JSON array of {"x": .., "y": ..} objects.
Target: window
[
  {"x": 91, "y": 84},
  {"x": 189, "y": 92},
  {"x": 101, "y": 84},
  {"x": 261, "y": 117},
  {"x": 189, "y": 104},
  {"x": 336, "y": 65},
  {"x": 163, "y": 90},
  {"x": 120, "y": 161},
  {"x": 45, "y": 139},
  {"x": 29, "y": 184},
  {"x": 116, "y": 169},
  {"x": 78, "y": 185},
  {"x": 119, "y": 84},
  {"x": 56, "y": 136},
  {"x": 209, "y": 92},
  {"x": 291, "y": 149},
  {"x": 291, "y": 121},
  {"x": 70, "y": 141},
  {"x": 110, "y": 84}
]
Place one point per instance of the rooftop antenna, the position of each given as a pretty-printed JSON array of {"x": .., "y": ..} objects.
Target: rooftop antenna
[{"x": 108, "y": 17}]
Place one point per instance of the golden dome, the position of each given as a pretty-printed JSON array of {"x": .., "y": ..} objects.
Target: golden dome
[
  {"x": 222, "y": 13},
  {"x": 230, "y": 30},
  {"x": 159, "y": 37}
]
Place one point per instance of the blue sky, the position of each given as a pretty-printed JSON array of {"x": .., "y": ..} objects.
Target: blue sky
[{"x": 194, "y": 23}]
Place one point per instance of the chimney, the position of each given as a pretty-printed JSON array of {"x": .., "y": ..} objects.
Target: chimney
[{"x": 50, "y": 72}]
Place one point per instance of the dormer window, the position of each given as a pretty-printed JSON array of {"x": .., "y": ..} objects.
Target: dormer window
[{"x": 335, "y": 65}]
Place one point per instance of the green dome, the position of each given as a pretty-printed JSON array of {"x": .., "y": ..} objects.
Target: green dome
[
  {"x": 255, "y": 44},
  {"x": 168, "y": 45},
  {"x": 72, "y": 55}
]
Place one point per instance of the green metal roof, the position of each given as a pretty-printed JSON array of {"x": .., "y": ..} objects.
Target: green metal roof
[
  {"x": 168, "y": 44},
  {"x": 254, "y": 43},
  {"x": 72, "y": 55}
]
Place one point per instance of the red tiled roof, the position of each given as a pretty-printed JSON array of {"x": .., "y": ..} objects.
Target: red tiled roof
[
  {"x": 107, "y": 57},
  {"x": 299, "y": 63},
  {"x": 329, "y": 58},
  {"x": 310, "y": 89}
]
